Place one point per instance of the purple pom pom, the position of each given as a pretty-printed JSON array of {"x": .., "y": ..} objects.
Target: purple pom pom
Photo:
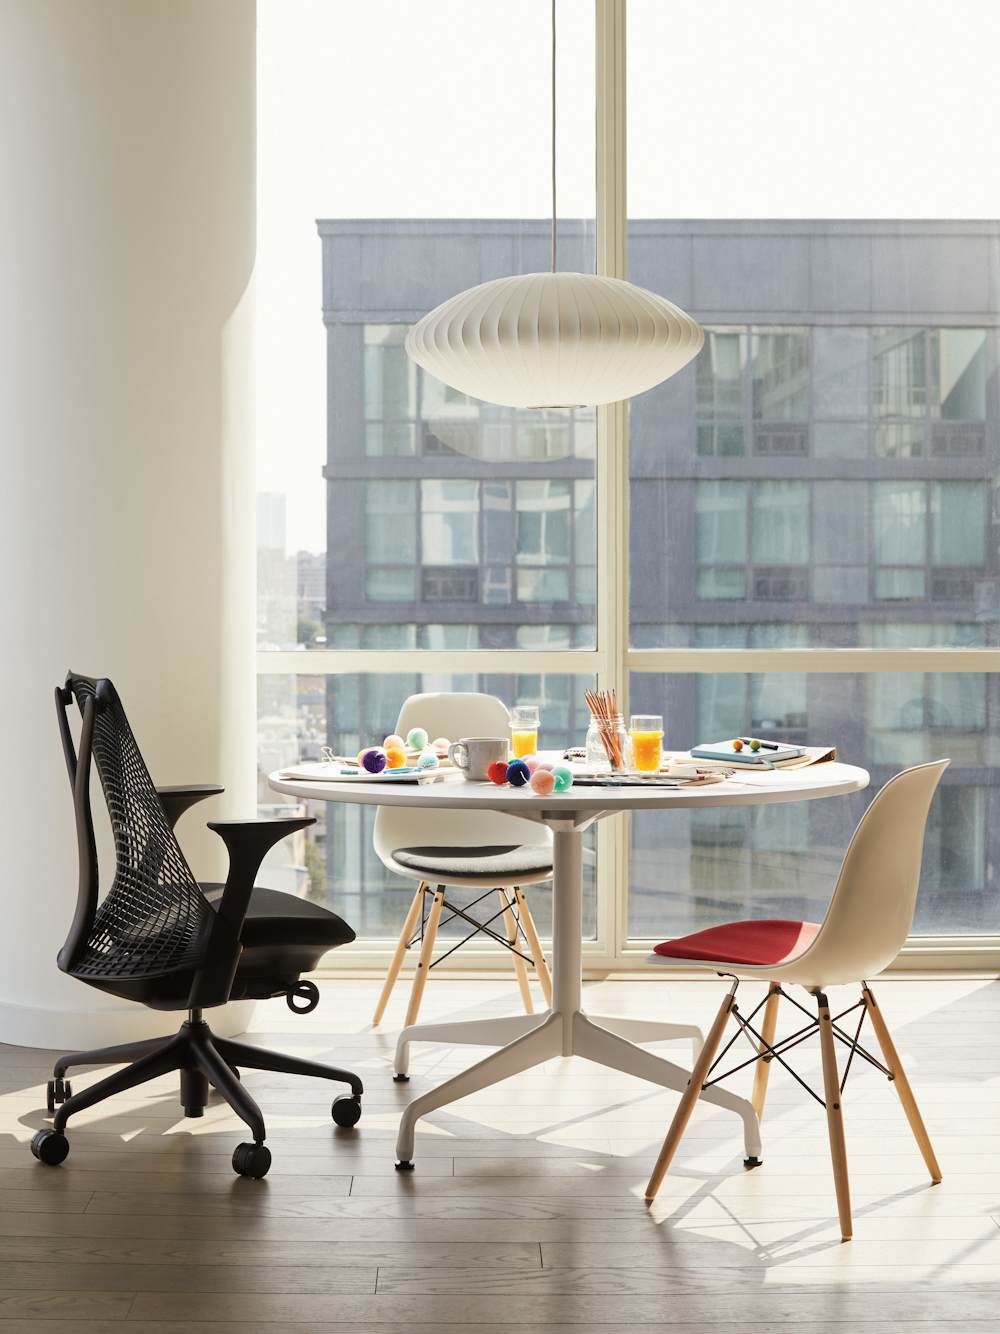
[
  {"x": 374, "y": 760},
  {"x": 518, "y": 773}
]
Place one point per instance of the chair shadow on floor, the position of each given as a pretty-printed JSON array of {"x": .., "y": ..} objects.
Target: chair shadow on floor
[{"x": 695, "y": 1230}]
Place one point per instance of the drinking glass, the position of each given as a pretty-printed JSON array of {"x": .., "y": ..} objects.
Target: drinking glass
[
  {"x": 524, "y": 730},
  {"x": 646, "y": 731}
]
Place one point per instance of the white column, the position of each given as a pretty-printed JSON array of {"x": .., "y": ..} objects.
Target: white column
[{"x": 127, "y": 235}]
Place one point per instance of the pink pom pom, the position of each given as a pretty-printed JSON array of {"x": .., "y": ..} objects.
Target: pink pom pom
[
  {"x": 542, "y": 782},
  {"x": 544, "y": 764},
  {"x": 532, "y": 762}
]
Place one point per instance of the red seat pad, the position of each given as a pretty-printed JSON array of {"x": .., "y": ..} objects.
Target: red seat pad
[{"x": 757, "y": 943}]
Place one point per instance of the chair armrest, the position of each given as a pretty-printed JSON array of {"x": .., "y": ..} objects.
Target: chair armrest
[
  {"x": 176, "y": 800},
  {"x": 247, "y": 842}
]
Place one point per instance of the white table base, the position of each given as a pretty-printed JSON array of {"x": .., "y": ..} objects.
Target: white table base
[{"x": 565, "y": 1030}]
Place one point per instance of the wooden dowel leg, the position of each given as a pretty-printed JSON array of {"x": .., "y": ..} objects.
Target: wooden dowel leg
[
  {"x": 397, "y": 959},
  {"x": 767, "y": 1031},
  {"x": 534, "y": 944},
  {"x": 690, "y": 1096},
  {"x": 902, "y": 1084},
  {"x": 520, "y": 967},
  {"x": 426, "y": 952},
  {"x": 835, "y": 1117}
]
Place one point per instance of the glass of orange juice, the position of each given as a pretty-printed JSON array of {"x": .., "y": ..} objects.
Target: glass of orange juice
[
  {"x": 524, "y": 730},
  {"x": 646, "y": 731}
]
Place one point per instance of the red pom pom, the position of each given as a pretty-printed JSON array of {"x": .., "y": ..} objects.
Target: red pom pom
[{"x": 497, "y": 773}]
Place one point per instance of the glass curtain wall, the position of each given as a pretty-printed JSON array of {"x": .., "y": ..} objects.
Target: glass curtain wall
[
  {"x": 399, "y": 518},
  {"x": 825, "y": 474},
  {"x": 821, "y": 480}
]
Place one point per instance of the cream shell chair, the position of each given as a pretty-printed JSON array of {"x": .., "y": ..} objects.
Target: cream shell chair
[
  {"x": 864, "y": 929},
  {"x": 525, "y": 859}
]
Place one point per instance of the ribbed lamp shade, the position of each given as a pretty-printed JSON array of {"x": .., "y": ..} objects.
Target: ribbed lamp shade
[{"x": 546, "y": 340}]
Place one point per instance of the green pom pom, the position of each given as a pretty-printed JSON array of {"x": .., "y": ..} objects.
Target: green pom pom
[
  {"x": 755, "y": 744},
  {"x": 563, "y": 775},
  {"x": 416, "y": 738}
]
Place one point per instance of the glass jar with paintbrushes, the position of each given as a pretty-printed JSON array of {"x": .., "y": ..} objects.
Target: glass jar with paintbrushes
[{"x": 608, "y": 745}]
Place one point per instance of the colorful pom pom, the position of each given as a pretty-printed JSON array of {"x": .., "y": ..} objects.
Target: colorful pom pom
[
  {"x": 440, "y": 746},
  {"x": 373, "y": 760},
  {"x": 428, "y": 760},
  {"x": 542, "y": 782},
  {"x": 562, "y": 775},
  {"x": 416, "y": 738},
  {"x": 546, "y": 765},
  {"x": 497, "y": 773},
  {"x": 531, "y": 761},
  {"x": 395, "y": 757},
  {"x": 393, "y": 742},
  {"x": 518, "y": 773}
]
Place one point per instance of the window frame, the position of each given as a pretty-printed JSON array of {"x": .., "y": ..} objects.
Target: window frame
[{"x": 613, "y": 660}]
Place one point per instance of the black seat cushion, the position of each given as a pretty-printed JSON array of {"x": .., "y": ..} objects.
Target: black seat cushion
[
  {"x": 276, "y": 918},
  {"x": 486, "y": 862}
]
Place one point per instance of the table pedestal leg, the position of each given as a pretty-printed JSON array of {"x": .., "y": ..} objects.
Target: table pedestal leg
[
  {"x": 475, "y": 1032},
  {"x": 652, "y": 1030},
  {"x": 605, "y": 1048},
  {"x": 541, "y": 1044},
  {"x": 565, "y": 1029}
]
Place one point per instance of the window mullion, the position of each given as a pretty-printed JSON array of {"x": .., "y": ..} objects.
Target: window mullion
[{"x": 612, "y": 454}]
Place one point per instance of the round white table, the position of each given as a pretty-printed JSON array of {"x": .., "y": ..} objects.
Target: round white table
[{"x": 526, "y": 1040}]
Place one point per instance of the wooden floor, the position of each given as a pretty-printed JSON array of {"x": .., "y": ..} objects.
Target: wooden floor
[{"x": 526, "y": 1206}]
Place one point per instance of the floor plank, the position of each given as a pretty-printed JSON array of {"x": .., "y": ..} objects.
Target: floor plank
[{"x": 525, "y": 1210}]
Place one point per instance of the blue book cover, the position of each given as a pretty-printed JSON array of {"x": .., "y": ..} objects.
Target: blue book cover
[{"x": 769, "y": 754}]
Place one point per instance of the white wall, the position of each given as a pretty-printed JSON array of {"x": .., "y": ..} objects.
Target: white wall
[{"x": 127, "y": 237}]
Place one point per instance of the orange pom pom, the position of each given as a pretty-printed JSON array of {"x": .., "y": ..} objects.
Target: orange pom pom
[{"x": 395, "y": 757}]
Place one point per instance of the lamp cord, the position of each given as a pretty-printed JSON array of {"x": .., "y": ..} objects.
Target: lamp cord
[{"x": 553, "y": 136}]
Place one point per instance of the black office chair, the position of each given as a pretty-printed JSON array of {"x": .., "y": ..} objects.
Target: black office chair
[{"x": 160, "y": 938}]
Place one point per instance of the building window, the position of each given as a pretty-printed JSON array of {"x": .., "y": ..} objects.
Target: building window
[
  {"x": 719, "y": 372},
  {"x": 390, "y": 392},
  {"x": 753, "y": 553},
  {"x": 449, "y": 522}
]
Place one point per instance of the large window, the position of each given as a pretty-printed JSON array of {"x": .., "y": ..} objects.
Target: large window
[{"x": 814, "y": 549}]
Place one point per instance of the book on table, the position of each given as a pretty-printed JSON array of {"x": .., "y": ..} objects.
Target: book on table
[{"x": 769, "y": 755}]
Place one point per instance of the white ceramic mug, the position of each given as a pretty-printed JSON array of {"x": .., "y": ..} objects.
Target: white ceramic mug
[{"x": 473, "y": 755}]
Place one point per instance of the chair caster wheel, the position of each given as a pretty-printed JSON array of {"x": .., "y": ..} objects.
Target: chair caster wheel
[
  {"x": 404, "y": 1165},
  {"x": 57, "y": 1091},
  {"x": 750, "y": 1163},
  {"x": 251, "y": 1160},
  {"x": 346, "y": 1110},
  {"x": 50, "y": 1147},
  {"x": 401, "y": 1079}
]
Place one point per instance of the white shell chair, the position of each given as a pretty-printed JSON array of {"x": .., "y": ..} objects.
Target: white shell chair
[
  {"x": 481, "y": 850},
  {"x": 864, "y": 929}
]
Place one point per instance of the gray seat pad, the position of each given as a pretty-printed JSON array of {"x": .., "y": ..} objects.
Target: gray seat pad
[{"x": 486, "y": 861}]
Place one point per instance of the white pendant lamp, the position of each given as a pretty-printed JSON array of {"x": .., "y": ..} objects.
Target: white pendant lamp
[{"x": 554, "y": 340}]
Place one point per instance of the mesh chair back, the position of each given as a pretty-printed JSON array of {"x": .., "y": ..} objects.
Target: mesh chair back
[{"x": 153, "y": 919}]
